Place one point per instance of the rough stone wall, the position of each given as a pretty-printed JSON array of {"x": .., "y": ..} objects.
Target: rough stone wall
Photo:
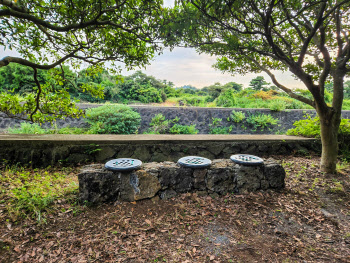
[
  {"x": 201, "y": 117},
  {"x": 167, "y": 179}
]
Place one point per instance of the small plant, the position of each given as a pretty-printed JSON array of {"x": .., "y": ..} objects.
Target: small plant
[
  {"x": 261, "y": 121},
  {"x": 236, "y": 116},
  {"x": 113, "y": 119},
  {"x": 216, "y": 127},
  {"x": 27, "y": 128},
  {"x": 183, "y": 129}
]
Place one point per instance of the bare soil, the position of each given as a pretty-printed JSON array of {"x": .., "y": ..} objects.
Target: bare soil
[{"x": 309, "y": 221}]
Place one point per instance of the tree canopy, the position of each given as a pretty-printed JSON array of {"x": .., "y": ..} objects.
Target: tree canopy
[
  {"x": 48, "y": 34},
  {"x": 308, "y": 38}
]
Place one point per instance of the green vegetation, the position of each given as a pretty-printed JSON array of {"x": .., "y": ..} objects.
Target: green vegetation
[
  {"x": 45, "y": 36},
  {"x": 30, "y": 193},
  {"x": 310, "y": 127},
  {"x": 160, "y": 125},
  {"x": 264, "y": 36},
  {"x": 113, "y": 119},
  {"x": 236, "y": 116},
  {"x": 27, "y": 128},
  {"x": 261, "y": 121},
  {"x": 141, "y": 88},
  {"x": 33, "y": 128},
  {"x": 216, "y": 127}
]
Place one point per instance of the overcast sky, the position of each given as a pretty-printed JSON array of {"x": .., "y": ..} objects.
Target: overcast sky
[{"x": 183, "y": 66}]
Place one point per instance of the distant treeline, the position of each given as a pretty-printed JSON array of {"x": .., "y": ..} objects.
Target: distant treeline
[{"x": 141, "y": 88}]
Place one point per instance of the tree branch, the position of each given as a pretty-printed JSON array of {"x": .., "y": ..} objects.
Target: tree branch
[
  {"x": 37, "y": 99},
  {"x": 7, "y": 60},
  {"x": 279, "y": 85}
]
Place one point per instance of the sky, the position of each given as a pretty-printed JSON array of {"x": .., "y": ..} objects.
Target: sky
[{"x": 183, "y": 66}]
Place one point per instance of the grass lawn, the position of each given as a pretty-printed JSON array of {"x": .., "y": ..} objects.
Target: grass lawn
[{"x": 309, "y": 221}]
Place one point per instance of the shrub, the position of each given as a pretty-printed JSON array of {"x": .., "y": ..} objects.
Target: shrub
[
  {"x": 113, "y": 119},
  {"x": 261, "y": 121},
  {"x": 159, "y": 125},
  {"x": 27, "y": 128},
  {"x": 226, "y": 99},
  {"x": 194, "y": 100},
  {"x": 265, "y": 95},
  {"x": 310, "y": 127},
  {"x": 236, "y": 116},
  {"x": 307, "y": 128}
]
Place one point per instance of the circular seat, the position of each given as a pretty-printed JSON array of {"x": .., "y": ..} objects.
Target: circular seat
[
  {"x": 123, "y": 164},
  {"x": 194, "y": 162},
  {"x": 246, "y": 159}
]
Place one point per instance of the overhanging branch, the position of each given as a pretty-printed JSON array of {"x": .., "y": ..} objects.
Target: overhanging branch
[{"x": 282, "y": 87}]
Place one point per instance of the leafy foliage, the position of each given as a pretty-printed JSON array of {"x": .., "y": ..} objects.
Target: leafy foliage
[
  {"x": 183, "y": 129},
  {"x": 216, "y": 127},
  {"x": 226, "y": 99},
  {"x": 310, "y": 127},
  {"x": 160, "y": 125},
  {"x": 113, "y": 119},
  {"x": 278, "y": 105},
  {"x": 261, "y": 121},
  {"x": 236, "y": 116},
  {"x": 49, "y": 34}
]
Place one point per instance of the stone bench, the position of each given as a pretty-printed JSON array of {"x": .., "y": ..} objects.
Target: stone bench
[{"x": 166, "y": 179}]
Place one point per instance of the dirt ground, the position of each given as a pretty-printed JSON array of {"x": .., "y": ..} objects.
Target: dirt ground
[{"x": 309, "y": 221}]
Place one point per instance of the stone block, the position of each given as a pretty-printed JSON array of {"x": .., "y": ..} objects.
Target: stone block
[
  {"x": 98, "y": 185},
  {"x": 274, "y": 174},
  {"x": 199, "y": 178},
  {"x": 248, "y": 178},
  {"x": 221, "y": 180}
]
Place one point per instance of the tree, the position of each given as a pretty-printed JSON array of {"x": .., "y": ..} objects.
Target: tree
[
  {"x": 48, "y": 34},
  {"x": 309, "y": 38},
  {"x": 258, "y": 83},
  {"x": 233, "y": 85}
]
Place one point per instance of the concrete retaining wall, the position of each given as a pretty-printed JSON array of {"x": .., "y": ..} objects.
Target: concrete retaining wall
[{"x": 44, "y": 150}]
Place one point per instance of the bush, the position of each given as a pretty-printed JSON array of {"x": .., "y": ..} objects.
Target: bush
[
  {"x": 311, "y": 128},
  {"x": 261, "y": 121},
  {"x": 307, "y": 128},
  {"x": 113, "y": 119},
  {"x": 159, "y": 125},
  {"x": 226, "y": 99}
]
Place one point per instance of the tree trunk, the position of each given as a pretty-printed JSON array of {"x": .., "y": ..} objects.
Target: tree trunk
[{"x": 329, "y": 138}]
